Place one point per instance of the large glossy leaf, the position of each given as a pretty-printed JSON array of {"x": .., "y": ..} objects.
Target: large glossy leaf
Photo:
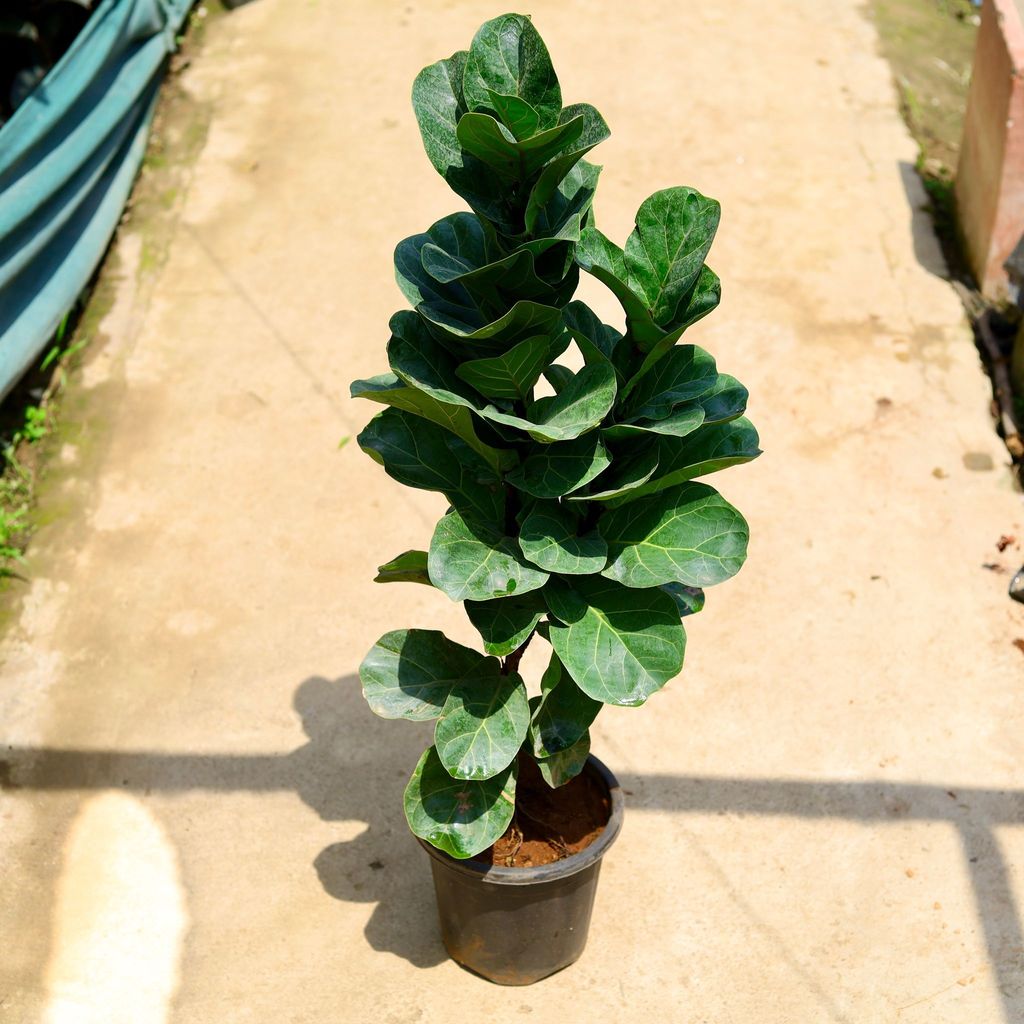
[
  {"x": 561, "y": 468},
  {"x": 473, "y": 333},
  {"x": 388, "y": 389},
  {"x": 625, "y": 475},
  {"x": 518, "y": 116},
  {"x": 562, "y": 714},
  {"x": 725, "y": 401},
  {"x": 659, "y": 278},
  {"x": 438, "y": 102},
  {"x": 566, "y": 214},
  {"x": 564, "y": 766},
  {"x": 704, "y": 297},
  {"x": 461, "y": 238},
  {"x": 487, "y": 285},
  {"x": 508, "y": 57},
  {"x": 679, "y": 423},
  {"x": 468, "y": 283},
  {"x": 426, "y": 365},
  {"x": 665, "y": 252},
  {"x": 458, "y": 816},
  {"x": 685, "y": 373},
  {"x": 511, "y": 375},
  {"x": 408, "y": 567},
  {"x": 549, "y": 538},
  {"x": 418, "y": 359},
  {"x": 706, "y": 451},
  {"x": 471, "y": 561},
  {"x": 688, "y": 534},
  {"x": 577, "y": 408},
  {"x": 517, "y": 160},
  {"x": 409, "y": 673},
  {"x": 506, "y": 624},
  {"x": 619, "y": 645},
  {"x": 418, "y": 453},
  {"x": 596, "y": 340},
  {"x": 594, "y": 130},
  {"x": 482, "y": 726},
  {"x": 600, "y": 256}
]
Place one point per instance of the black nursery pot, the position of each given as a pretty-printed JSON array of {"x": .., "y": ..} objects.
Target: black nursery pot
[{"x": 515, "y": 926}]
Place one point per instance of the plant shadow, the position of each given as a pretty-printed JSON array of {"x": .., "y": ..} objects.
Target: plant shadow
[{"x": 354, "y": 767}]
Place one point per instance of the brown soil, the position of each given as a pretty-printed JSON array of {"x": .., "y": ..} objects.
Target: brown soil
[{"x": 550, "y": 824}]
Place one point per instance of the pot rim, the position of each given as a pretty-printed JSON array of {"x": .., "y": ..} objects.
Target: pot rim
[{"x": 560, "y": 869}]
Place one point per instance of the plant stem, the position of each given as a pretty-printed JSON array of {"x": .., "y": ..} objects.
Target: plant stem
[{"x": 511, "y": 663}]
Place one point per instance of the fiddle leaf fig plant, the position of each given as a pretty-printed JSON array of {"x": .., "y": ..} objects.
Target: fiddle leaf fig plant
[{"x": 573, "y": 512}]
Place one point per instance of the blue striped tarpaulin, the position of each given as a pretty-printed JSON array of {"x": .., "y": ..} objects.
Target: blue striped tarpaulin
[{"x": 68, "y": 158}]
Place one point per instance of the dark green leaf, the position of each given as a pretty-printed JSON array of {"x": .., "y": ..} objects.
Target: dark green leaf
[
  {"x": 706, "y": 451},
  {"x": 417, "y": 453},
  {"x": 482, "y": 726},
  {"x": 680, "y": 422},
  {"x": 460, "y": 236},
  {"x": 423, "y": 364},
  {"x": 619, "y": 645},
  {"x": 474, "y": 333},
  {"x": 458, "y": 816},
  {"x": 490, "y": 141},
  {"x": 563, "y": 712},
  {"x": 597, "y": 341},
  {"x": 659, "y": 278},
  {"x": 625, "y": 475},
  {"x": 689, "y": 600},
  {"x": 518, "y": 116},
  {"x": 688, "y": 534},
  {"x": 725, "y": 401},
  {"x": 561, "y": 468},
  {"x": 564, "y": 766},
  {"x": 565, "y": 214},
  {"x": 665, "y": 252},
  {"x": 508, "y": 57},
  {"x": 506, "y": 623},
  {"x": 548, "y": 538},
  {"x": 513, "y": 275},
  {"x": 578, "y": 408},
  {"x": 702, "y": 300},
  {"x": 594, "y": 130},
  {"x": 471, "y": 561},
  {"x": 511, "y": 375},
  {"x": 409, "y": 673},
  {"x": 408, "y": 567},
  {"x": 438, "y": 102},
  {"x": 685, "y": 373},
  {"x": 559, "y": 377},
  {"x": 389, "y": 390}
]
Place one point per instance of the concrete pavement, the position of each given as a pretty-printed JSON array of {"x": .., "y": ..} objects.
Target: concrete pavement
[{"x": 202, "y": 821}]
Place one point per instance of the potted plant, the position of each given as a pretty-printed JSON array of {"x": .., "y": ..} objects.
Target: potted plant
[{"x": 573, "y": 513}]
